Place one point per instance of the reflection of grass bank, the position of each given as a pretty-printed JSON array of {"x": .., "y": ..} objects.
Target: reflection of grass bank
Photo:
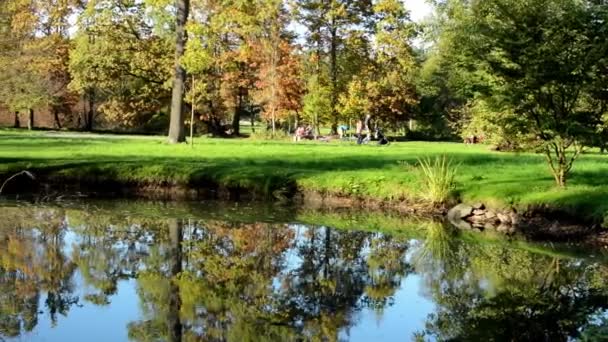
[
  {"x": 409, "y": 226},
  {"x": 436, "y": 235},
  {"x": 382, "y": 173},
  {"x": 117, "y": 211}
]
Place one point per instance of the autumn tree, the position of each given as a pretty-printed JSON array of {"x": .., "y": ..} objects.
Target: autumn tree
[
  {"x": 7, "y": 44},
  {"x": 243, "y": 27},
  {"x": 279, "y": 89},
  {"x": 35, "y": 57},
  {"x": 386, "y": 89},
  {"x": 34, "y": 269},
  {"x": 204, "y": 59},
  {"x": 121, "y": 63}
]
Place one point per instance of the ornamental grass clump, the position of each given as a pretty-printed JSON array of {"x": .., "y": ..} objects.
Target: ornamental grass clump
[{"x": 438, "y": 178}]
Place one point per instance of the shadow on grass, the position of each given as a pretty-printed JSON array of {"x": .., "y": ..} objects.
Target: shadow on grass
[{"x": 584, "y": 202}]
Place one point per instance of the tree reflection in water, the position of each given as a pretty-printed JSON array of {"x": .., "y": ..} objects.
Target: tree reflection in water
[
  {"x": 489, "y": 292},
  {"x": 218, "y": 280}
]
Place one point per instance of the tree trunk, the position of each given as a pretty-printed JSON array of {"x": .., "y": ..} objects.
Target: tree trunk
[
  {"x": 560, "y": 163},
  {"x": 56, "y": 121},
  {"x": 30, "y": 119},
  {"x": 90, "y": 114},
  {"x": 561, "y": 179},
  {"x": 316, "y": 128},
  {"x": 559, "y": 174},
  {"x": 214, "y": 126},
  {"x": 192, "y": 113},
  {"x": 296, "y": 121},
  {"x": 273, "y": 123},
  {"x": 327, "y": 253},
  {"x": 236, "y": 119},
  {"x": 17, "y": 123},
  {"x": 252, "y": 115},
  {"x": 334, "y": 77},
  {"x": 176, "y": 126}
]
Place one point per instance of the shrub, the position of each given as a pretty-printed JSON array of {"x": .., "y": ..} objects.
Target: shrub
[
  {"x": 438, "y": 178},
  {"x": 500, "y": 129}
]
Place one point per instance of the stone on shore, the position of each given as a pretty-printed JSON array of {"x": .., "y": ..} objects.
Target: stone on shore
[{"x": 460, "y": 211}]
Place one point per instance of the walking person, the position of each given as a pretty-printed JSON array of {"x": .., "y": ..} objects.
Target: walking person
[
  {"x": 367, "y": 126},
  {"x": 359, "y": 132},
  {"x": 342, "y": 131}
]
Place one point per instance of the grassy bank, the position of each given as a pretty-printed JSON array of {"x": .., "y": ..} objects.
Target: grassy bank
[{"x": 340, "y": 168}]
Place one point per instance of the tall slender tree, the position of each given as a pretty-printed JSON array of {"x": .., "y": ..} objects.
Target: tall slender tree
[
  {"x": 177, "y": 132},
  {"x": 279, "y": 87}
]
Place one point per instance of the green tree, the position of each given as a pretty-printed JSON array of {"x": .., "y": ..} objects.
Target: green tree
[
  {"x": 489, "y": 292},
  {"x": 386, "y": 89},
  {"x": 208, "y": 53},
  {"x": 328, "y": 24},
  {"x": 121, "y": 61},
  {"x": 317, "y": 104},
  {"x": 396, "y": 61},
  {"x": 34, "y": 57},
  {"x": 358, "y": 99},
  {"x": 545, "y": 61}
]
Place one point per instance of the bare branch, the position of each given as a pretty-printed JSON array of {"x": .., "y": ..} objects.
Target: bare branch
[{"x": 25, "y": 172}]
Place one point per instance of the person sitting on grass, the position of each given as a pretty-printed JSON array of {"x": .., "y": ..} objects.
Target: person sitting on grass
[
  {"x": 299, "y": 134},
  {"x": 308, "y": 133},
  {"x": 382, "y": 140}
]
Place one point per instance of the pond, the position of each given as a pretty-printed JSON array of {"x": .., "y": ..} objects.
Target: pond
[{"x": 144, "y": 271}]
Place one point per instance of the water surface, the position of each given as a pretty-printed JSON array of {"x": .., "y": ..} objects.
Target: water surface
[{"x": 123, "y": 271}]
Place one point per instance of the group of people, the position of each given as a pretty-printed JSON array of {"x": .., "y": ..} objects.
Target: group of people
[
  {"x": 363, "y": 132},
  {"x": 365, "y": 126},
  {"x": 303, "y": 132},
  {"x": 473, "y": 139}
]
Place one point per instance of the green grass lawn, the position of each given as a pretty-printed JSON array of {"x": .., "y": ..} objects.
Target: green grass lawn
[{"x": 388, "y": 172}]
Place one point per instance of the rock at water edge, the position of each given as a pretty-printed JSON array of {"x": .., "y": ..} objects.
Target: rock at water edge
[{"x": 460, "y": 211}]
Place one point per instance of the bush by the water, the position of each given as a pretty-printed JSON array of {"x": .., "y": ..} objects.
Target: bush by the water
[{"x": 438, "y": 177}]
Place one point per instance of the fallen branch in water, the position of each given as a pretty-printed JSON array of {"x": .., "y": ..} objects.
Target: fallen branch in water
[{"x": 25, "y": 172}]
